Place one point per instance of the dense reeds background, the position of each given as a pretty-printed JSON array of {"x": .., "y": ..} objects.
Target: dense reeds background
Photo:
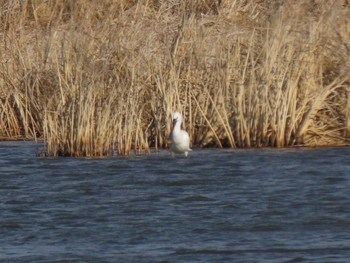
[{"x": 98, "y": 77}]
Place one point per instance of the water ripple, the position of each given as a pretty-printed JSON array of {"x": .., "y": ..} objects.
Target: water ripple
[{"x": 270, "y": 205}]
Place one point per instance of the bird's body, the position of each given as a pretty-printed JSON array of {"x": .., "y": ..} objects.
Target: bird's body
[{"x": 180, "y": 140}]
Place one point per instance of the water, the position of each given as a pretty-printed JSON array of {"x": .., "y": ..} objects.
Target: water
[{"x": 266, "y": 205}]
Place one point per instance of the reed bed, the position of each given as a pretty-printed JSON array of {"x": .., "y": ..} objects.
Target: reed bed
[{"x": 98, "y": 78}]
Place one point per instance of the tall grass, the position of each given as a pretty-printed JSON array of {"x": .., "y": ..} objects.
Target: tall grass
[{"x": 97, "y": 78}]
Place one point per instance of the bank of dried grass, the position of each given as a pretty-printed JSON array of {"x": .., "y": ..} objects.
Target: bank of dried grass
[{"x": 94, "y": 78}]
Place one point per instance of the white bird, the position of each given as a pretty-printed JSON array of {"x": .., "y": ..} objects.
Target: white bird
[{"x": 180, "y": 140}]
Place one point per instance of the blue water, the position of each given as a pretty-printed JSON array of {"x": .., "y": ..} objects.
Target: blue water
[{"x": 261, "y": 205}]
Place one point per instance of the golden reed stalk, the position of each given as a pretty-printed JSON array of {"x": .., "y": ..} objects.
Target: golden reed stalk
[{"x": 97, "y": 78}]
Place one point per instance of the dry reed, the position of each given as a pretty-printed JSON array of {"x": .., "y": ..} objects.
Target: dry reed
[{"x": 98, "y": 78}]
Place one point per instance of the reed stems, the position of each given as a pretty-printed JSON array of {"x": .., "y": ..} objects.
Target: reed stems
[{"x": 101, "y": 78}]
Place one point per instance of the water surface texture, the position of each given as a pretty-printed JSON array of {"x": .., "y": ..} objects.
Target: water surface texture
[{"x": 266, "y": 205}]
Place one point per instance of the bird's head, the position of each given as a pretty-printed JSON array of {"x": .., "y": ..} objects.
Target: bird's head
[{"x": 177, "y": 117}]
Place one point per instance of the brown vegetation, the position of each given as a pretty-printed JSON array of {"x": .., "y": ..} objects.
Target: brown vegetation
[{"x": 97, "y": 77}]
